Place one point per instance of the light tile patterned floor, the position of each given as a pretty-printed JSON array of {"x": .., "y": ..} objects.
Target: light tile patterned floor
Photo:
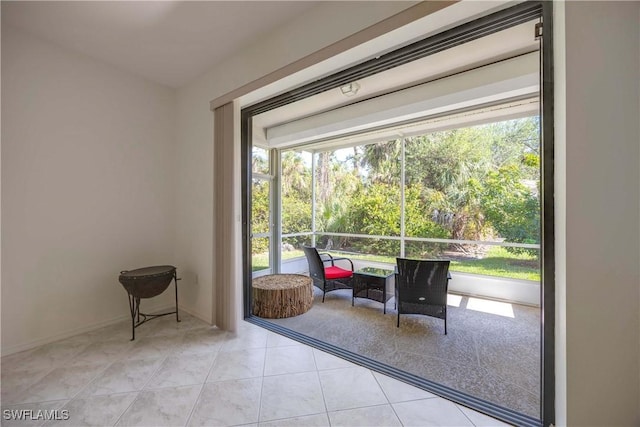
[{"x": 179, "y": 374}]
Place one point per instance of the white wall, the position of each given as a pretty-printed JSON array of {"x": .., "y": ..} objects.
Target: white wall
[
  {"x": 88, "y": 175},
  {"x": 601, "y": 122},
  {"x": 301, "y": 37}
]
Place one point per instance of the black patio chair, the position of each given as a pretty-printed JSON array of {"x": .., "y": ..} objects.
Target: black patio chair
[
  {"x": 328, "y": 278},
  {"x": 421, "y": 288}
]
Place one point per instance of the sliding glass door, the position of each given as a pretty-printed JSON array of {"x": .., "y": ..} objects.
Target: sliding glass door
[{"x": 481, "y": 192}]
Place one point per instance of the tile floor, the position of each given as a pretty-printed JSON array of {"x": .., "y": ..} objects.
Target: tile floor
[{"x": 178, "y": 374}]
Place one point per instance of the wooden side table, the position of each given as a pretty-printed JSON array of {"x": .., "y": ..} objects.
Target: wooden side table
[{"x": 281, "y": 295}]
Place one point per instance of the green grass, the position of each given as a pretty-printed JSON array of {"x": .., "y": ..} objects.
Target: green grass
[
  {"x": 261, "y": 261},
  {"x": 498, "y": 262}
]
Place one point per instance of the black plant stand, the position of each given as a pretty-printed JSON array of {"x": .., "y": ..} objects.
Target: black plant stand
[{"x": 147, "y": 282}]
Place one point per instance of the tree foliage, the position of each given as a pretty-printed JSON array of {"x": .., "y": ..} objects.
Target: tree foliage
[
  {"x": 473, "y": 183},
  {"x": 511, "y": 207},
  {"x": 260, "y": 214}
]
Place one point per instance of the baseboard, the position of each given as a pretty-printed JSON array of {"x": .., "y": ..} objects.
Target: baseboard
[
  {"x": 5, "y": 351},
  {"x": 196, "y": 314},
  {"x": 76, "y": 331}
]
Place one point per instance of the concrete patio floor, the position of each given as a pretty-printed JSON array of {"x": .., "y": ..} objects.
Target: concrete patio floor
[{"x": 491, "y": 351}]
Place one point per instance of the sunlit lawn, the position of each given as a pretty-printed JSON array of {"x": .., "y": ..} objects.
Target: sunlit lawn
[{"x": 498, "y": 262}]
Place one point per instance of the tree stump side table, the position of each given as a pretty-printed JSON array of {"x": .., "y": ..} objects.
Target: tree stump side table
[{"x": 281, "y": 295}]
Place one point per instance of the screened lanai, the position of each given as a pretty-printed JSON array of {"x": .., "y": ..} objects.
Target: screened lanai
[
  {"x": 469, "y": 194},
  {"x": 435, "y": 159},
  {"x": 375, "y": 201}
]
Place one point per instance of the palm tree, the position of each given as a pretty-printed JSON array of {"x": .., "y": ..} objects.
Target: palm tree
[
  {"x": 382, "y": 161},
  {"x": 296, "y": 176}
]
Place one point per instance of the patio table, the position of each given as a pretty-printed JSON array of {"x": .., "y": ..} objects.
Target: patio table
[{"x": 373, "y": 283}]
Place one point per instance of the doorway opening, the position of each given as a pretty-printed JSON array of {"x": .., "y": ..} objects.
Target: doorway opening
[{"x": 441, "y": 149}]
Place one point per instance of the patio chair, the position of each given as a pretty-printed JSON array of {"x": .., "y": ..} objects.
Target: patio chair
[
  {"x": 329, "y": 278},
  {"x": 421, "y": 288}
]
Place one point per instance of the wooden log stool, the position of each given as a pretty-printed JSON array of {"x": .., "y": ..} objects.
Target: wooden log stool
[{"x": 281, "y": 295}]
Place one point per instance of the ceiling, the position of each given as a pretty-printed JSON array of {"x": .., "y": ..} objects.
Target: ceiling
[
  {"x": 497, "y": 48},
  {"x": 169, "y": 42}
]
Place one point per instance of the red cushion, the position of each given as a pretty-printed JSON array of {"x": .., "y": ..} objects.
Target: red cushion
[{"x": 331, "y": 273}]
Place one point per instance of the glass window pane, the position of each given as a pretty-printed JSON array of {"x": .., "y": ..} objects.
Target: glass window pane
[
  {"x": 365, "y": 248},
  {"x": 292, "y": 246},
  {"x": 476, "y": 183},
  {"x": 296, "y": 192},
  {"x": 260, "y": 253},
  {"x": 260, "y": 160},
  {"x": 358, "y": 189},
  {"x": 489, "y": 260},
  {"x": 426, "y": 250},
  {"x": 260, "y": 214}
]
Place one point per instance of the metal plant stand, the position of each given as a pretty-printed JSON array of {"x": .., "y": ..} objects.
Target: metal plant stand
[{"x": 147, "y": 282}]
